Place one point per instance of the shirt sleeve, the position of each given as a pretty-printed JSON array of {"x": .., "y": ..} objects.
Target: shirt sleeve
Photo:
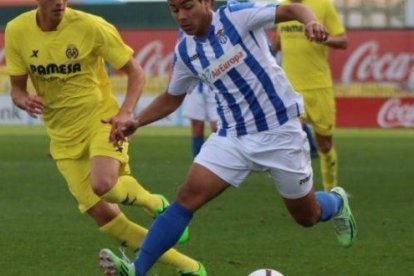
[
  {"x": 252, "y": 15},
  {"x": 182, "y": 79},
  {"x": 333, "y": 22},
  {"x": 110, "y": 45},
  {"x": 14, "y": 63}
]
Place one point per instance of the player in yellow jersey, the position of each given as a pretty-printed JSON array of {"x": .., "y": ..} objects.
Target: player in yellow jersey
[
  {"x": 63, "y": 52},
  {"x": 306, "y": 66}
]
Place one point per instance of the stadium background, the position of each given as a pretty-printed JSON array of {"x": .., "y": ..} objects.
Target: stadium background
[
  {"x": 374, "y": 77},
  {"x": 42, "y": 232}
]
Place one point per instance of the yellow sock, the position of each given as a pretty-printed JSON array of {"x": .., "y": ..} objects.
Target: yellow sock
[
  {"x": 132, "y": 235},
  {"x": 128, "y": 191},
  {"x": 329, "y": 169}
]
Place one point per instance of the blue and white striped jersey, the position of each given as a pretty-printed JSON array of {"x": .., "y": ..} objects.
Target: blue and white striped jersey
[{"x": 251, "y": 91}]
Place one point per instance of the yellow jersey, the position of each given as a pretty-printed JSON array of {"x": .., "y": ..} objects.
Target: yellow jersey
[
  {"x": 306, "y": 63},
  {"x": 67, "y": 69}
]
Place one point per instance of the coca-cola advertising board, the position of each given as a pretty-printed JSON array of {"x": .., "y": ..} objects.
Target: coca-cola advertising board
[
  {"x": 374, "y": 77},
  {"x": 375, "y": 112},
  {"x": 374, "y": 61},
  {"x": 384, "y": 57}
]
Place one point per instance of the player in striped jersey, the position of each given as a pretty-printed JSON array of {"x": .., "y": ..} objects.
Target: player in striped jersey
[
  {"x": 199, "y": 108},
  {"x": 259, "y": 128}
]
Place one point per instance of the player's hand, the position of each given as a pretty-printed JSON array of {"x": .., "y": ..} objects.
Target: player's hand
[
  {"x": 316, "y": 32},
  {"x": 120, "y": 130},
  {"x": 33, "y": 105}
]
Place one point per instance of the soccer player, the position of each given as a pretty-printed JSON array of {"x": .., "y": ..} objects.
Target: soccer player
[
  {"x": 63, "y": 51},
  {"x": 302, "y": 57},
  {"x": 199, "y": 108},
  {"x": 259, "y": 127}
]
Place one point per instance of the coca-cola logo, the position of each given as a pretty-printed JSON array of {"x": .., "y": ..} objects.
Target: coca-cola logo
[
  {"x": 153, "y": 59},
  {"x": 366, "y": 63},
  {"x": 395, "y": 113}
]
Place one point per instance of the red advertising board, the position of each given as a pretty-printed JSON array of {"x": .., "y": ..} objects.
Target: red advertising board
[
  {"x": 383, "y": 56},
  {"x": 375, "y": 112},
  {"x": 153, "y": 49},
  {"x": 370, "y": 75}
]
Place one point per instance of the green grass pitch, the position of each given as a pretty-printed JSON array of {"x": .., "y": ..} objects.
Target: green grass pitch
[{"x": 42, "y": 232}]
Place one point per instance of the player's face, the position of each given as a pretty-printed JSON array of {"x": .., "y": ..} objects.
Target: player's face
[
  {"x": 52, "y": 9},
  {"x": 193, "y": 16}
]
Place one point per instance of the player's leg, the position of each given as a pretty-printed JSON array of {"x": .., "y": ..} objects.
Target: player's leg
[
  {"x": 197, "y": 136},
  {"x": 324, "y": 126},
  {"x": 325, "y": 206},
  {"x": 108, "y": 216},
  {"x": 110, "y": 174},
  {"x": 328, "y": 161},
  {"x": 124, "y": 189},
  {"x": 113, "y": 222},
  {"x": 111, "y": 180},
  {"x": 199, "y": 188},
  {"x": 219, "y": 165},
  {"x": 293, "y": 179},
  {"x": 320, "y": 110}
]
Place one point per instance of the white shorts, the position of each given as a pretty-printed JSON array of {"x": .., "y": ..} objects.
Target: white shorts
[
  {"x": 282, "y": 152},
  {"x": 200, "y": 105}
]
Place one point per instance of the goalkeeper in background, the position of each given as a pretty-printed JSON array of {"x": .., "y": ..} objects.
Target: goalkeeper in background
[
  {"x": 63, "y": 52},
  {"x": 306, "y": 66}
]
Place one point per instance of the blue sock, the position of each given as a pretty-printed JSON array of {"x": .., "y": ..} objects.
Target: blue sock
[
  {"x": 330, "y": 204},
  {"x": 309, "y": 134},
  {"x": 163, "y": 234},
  {"x": 197, "y": 142}
]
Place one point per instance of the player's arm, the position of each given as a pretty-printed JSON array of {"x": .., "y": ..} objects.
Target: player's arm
[
  {"x": 135, "y": 86},
  {"x": 337, "y": 42},
  {"x": 338, "y": 38},
  {"x": 314, "y": 30},
  {"x": 32, "y": 104},
  {"x": 161, "y": 107}
]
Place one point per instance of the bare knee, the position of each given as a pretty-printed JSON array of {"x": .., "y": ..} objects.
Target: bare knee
[{"x": 103, "y": 183}]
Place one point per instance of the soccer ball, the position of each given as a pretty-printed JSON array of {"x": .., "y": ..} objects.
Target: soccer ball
[{"x": 265, "y": 272}]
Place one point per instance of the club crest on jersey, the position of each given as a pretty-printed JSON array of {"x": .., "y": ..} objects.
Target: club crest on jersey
[
  {"x": 72, "y": 52},
  {"x": 221, "y": 37}
]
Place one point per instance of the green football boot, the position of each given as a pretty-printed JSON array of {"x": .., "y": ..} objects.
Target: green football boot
[
  {"x": 186, "y": 233},
  {"x": 200, "y": 272},
  {"x": 345, "y": 225},
  {"x": 115, "y": 266}
]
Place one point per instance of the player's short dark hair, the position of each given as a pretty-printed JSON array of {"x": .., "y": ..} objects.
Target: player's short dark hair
[{"x": 212, "y": 3}]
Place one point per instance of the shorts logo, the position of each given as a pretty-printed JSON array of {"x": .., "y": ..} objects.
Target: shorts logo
[
  {"x": 304, "y": 180},
  {"x": 72, "y": 52},
  {"x": 221, "y": 37}
]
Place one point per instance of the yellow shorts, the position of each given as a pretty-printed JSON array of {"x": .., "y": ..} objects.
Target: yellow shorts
[
  {"x": 320, "y": 110},
  {"x": 77, "y": 170}
]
